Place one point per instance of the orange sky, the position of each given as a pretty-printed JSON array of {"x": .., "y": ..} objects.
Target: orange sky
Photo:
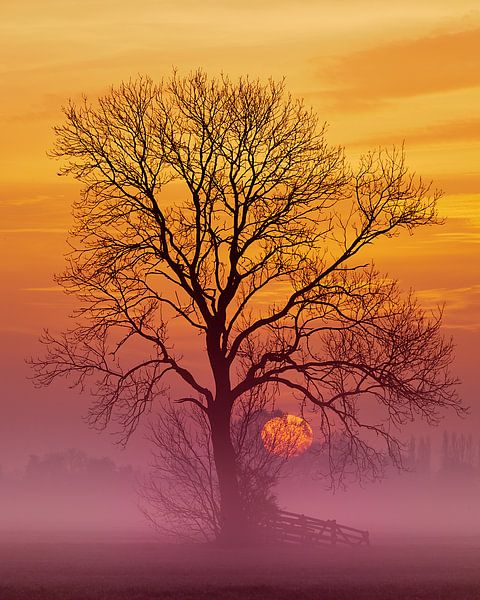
[{"x": 377, "y": 72}]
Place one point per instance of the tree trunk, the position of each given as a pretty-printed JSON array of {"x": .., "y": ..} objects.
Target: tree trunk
[
  {"x": 233, "y": 529},
  {"x": 232, "y": 514}
]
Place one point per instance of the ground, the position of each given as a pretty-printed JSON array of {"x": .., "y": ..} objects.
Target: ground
[{"x": 133, "y": 569}]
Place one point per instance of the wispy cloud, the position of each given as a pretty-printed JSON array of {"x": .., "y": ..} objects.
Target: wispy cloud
[
  {"x": 460, "y": 236},
  {"x": 34, "y": 230},
  {"x": 53, "y": 288},
  {"x": 453, "y": 131},
  {"x": 465, "y": 207},
  {"x": 427, "y": 65},
  {"x": 459, "y": 183},
  {"x": 462, "y": 305}
]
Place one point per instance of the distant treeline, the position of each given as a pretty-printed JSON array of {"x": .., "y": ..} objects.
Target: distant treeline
[
  {"x": 459, "y": 454},
  {"x": 72, "y": 467},
  {"x": 70, "y": 491},
  {"x": 454, "y": 457}
]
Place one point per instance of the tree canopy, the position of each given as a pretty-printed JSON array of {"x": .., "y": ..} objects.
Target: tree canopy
[{"x": 219, "y": 204}]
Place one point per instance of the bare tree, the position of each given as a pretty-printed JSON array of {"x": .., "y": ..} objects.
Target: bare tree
[
  {"x": 180, "y": 493},
  {"x": 219, "y": 204},
  {"x": 181, "y": 496}
]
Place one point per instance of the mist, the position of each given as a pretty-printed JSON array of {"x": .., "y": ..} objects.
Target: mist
[
  {"x": 436, "y": 495},
  {"x": 70, "y": 493},
  {"x": 71, "y": 526}
]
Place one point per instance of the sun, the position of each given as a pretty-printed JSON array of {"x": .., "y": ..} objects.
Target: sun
[{"x": 287, "y": 436}]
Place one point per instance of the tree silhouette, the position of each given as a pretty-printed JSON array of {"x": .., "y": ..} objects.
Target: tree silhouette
[
  {"x": 181, "y": 493},
  {"x": 219, "y": 204},
  {"x": 457, "y": 454},
  {"x": 72, "y": 467}
]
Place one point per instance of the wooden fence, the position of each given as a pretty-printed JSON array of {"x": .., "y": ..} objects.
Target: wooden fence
[{"x": 298, "y": 529}]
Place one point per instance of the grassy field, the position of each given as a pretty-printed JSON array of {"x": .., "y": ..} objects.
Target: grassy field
[{"x": 138, "y": 570}]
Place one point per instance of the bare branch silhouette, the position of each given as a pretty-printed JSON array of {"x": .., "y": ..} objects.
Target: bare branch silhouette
[
  {"x": 181, "y": 496},
  {"x": 219, "y": 204}
]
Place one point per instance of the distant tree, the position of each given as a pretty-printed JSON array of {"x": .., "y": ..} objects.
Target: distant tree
[
  {"x": 73, "y": 468},
  {"x": 424, "y": 456},
  {"x": 256, "y": 246},
  {"x": 56, "y": 466},
  {"x": 411, "y": 458},
  {"x": 458, "y": 454}
]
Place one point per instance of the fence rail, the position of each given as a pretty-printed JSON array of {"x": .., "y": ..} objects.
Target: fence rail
[{"x": 300, "y": 529}]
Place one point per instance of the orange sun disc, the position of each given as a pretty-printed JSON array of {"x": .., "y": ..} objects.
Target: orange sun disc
[{"x": 287, "y": 435}]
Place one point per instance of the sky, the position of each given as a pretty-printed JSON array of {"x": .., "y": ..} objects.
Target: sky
[{"x": 379, "y": 73}]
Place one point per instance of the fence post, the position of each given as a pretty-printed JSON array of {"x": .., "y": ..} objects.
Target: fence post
[
  {"x": 333, "y": 531},
  {"x": 303, "y": 528}
]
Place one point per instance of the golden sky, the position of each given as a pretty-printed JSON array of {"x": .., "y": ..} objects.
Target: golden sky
[{"x": 378, "y": 72}]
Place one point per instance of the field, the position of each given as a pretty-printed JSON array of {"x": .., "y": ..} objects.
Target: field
[{"x": 130, "y": 569}]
